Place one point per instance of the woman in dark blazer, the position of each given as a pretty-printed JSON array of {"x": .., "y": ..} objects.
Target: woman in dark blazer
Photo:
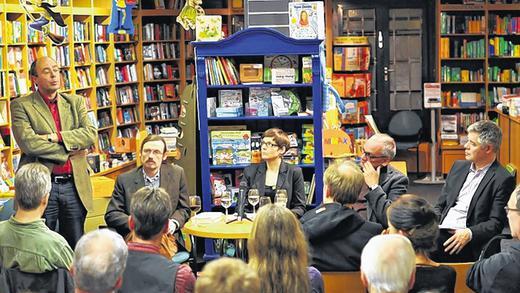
[{"x": 273, "y": 173}]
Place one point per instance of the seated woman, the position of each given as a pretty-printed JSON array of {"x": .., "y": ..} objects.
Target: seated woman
[
  {"x": 278, "y": 252},
  {"x": 273, "y": 173},
  {"x": 415, "y": 218}
]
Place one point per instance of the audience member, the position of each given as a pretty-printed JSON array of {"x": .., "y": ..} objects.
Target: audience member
[
  {"x": 388, "y": 264},
  {"x": 471, "y": 204},
  {"x": 278, "y": 252},
  {"x": 154, "y": 172},
  {"x": 337, "y": 233},
  {"x": 383, "y": 182},
  {"x": 99, "y": 262},
  {"x": 273, "y": 173},
  {"x": 146, "y": 269},
  {"x": 414, "y": 218},
  {"x": 227, "y": 275},
  {"x": 501, "y": 272},
  {"x": 26, "y": 242}
]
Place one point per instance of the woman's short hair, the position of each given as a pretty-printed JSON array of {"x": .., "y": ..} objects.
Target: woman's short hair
[
  {"x": 279, "y": 136},
  {"x": 278, "y": 251},
  {"x": 416, "y": 217},
  {"x": 227, "y": 275},
  {"x": 344, "y": 181}
]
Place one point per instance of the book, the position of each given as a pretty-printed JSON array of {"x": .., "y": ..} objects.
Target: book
[
  {"x": 307, "y": 20},
  {"x": 231, "y": 147},
  {"x": 208, "y": 28}
]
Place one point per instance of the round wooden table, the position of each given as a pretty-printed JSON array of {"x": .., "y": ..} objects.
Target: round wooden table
[{"x": 238, "y": 230}]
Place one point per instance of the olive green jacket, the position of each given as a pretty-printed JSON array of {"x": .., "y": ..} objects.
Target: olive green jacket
[{"x": 31, "y": 117}]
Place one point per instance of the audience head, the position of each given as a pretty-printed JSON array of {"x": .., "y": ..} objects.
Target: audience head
[
  {"x": 513, "y": 212},
  {"x": 227, "y": 275},
  {"x": 32, "y": 185},
  {"x": 99, "y": 262},
  {"x": 153, "y": 152},
  {"x": 343, "y": 181},
  {"x": 275, "y": 142},
  {"x": 414, "y": 217},
  {"x": 484, "y": 139},
  {"x": 379, "y": 149},
  {"x": 388, "y": 264},
  {"x": 150, "y": 210},
  {"x": 278, "y": 250}
]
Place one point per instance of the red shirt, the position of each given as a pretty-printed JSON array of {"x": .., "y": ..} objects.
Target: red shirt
[{"x": 53, "y": 107}]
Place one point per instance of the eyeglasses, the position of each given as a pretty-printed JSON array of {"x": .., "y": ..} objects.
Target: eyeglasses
[
  {"x": 372, "y": 156},
  {"x": 154, "y": 152},
  {"x": 508, "y": 209},
  {"x": 268, "y": 144}
]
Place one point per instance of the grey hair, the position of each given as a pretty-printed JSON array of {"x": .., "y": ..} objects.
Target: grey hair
[
  {"x": 32, "y": 184},
  {"x": 99, "y": 261},
  {"x": 389, "y": 146},
  {"x": 488, "y": 133},
  {"x": 388, "y": 262}
]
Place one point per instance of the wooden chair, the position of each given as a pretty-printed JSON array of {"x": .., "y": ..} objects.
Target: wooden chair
[
  {"x": 341, "y": 282},
  {"x": 400, "y": 166},
  {"x": 462, "y": 270}
]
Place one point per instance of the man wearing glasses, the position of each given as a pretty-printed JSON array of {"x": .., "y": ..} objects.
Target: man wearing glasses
[
  {"x": 471, "y": 203},
  {"x": 385, "y": 183},
  {"x": 154, "y": 173},
  {"x": 499, "y": 273}
]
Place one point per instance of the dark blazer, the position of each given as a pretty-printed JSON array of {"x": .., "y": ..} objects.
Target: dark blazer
[
  {"x": 336, "y": 236},
  {"x": 486, "y": 215},
  {"x": 173, "y": 180},
  {"x": 392, "y": 184},
  {"x": 290, "y": 178}
]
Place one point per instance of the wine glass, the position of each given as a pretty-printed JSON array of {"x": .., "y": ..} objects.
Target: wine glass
[
  {"x": 265, "y": 200},
  {"x": 281, "y": 197},
  {"x": 195, "y": 205},
  {"x": 253, "y": 197},
  {"x": 226, "y": 200}
]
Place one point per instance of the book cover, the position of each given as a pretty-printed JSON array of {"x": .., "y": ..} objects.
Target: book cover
[
  {"x": 306, "y": 20},
  {"x": 230, "y": 98},
  {"x": 231, "y": 147},
  {"x": 208, "y": 28}
]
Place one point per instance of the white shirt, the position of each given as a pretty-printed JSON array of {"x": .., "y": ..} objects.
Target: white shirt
[{"x": 457, "y": 215}]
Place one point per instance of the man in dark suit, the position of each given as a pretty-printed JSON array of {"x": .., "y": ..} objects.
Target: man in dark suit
[
  {"x": 471, "y": 204},
  {"x": 383, "y": 183},
  {"x": 499, "y": 273},
  {"x": 53, "y": 128},
  {"x": 154, "y": 173},
  {"x": 336, "y": 233}
]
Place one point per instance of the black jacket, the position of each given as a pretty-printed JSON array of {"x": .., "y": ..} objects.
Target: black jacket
[
  {"x": 496, "y": 274},
  {"x": 336, "y": 236},
  {"x": 392, "y": 184},
  {"x": 290, "y": 178},
  {"x": 486, "y": 215}
]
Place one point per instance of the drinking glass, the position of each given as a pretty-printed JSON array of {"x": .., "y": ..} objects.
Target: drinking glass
[
  {"x": 195, "y": 205},
  {"x": 265, "y": 200},
  {"x": 253, "y": 197},
  {"x": 226, "y": 200},
  {"x": 281, "y": 197}
]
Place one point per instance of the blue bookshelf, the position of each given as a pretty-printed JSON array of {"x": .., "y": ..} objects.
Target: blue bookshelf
[{"x": 253, "y": 44}]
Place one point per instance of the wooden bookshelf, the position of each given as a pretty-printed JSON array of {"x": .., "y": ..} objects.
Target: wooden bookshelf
[{"x": 470, "y": 69}]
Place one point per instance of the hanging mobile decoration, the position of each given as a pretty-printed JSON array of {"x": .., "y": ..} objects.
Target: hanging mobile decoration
[
  {"x": 46, "y": 14},
  {"x": 121, "y": 18}
]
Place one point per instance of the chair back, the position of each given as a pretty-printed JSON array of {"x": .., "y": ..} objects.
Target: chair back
[
  {"x": 511, "y": 168},
  {"x": 493, "y": 245},
  {"x": 57, "y": 281},
  {"x": 340, "y": 282},
  {"x": 405, "y": 123},
  {"x": 462, "y": 271}
]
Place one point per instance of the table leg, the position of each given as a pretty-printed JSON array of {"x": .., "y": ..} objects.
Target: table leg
[
  {"x": 194, "y": 253},
  {"x": 241, "y": 249}
]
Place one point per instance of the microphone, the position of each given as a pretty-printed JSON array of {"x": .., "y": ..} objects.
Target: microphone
[{"x": 241, "y": 202}]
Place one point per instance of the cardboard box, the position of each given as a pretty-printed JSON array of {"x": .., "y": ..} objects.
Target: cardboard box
[{"x": 124, "y": 144}]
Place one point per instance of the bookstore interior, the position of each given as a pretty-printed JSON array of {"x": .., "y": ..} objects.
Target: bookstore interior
[{"x": 211, "y": 77}]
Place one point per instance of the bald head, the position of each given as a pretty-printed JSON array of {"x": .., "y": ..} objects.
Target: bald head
[
  {"x": 99, "y": 261},
  {"x": 343, "y": 181},
  {"x": 45, "y": 74},
  {"x": 388, "y": 264},
  {"x": 513, "y": 214}
]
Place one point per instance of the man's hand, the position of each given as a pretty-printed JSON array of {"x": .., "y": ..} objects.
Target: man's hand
[
  {"x": 371, "y": 174},
  {"x": 172, "y": 227},
  {"x": 456, "y": 243},
  {"x": 78, "y": 153}
]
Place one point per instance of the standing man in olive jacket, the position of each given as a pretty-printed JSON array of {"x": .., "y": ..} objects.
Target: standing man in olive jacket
[{"x": 53, "y": 128}]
